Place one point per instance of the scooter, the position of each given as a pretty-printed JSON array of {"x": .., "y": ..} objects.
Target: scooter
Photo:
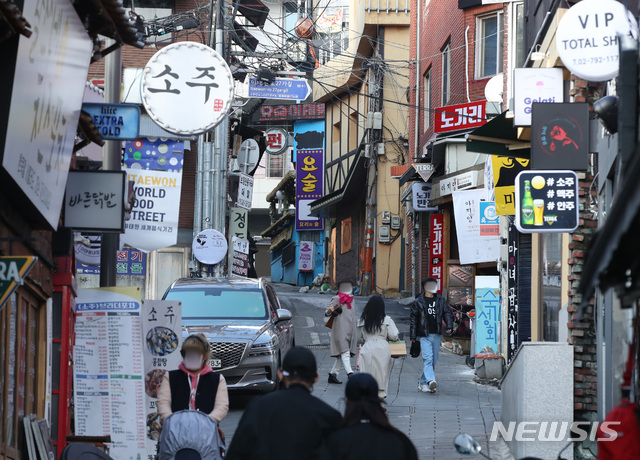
[{"x": 465, "y": 444}]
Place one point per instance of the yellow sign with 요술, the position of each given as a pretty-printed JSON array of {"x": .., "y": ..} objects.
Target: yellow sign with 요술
[
  {"x": 505, "y": 170},
  {"x": 12, "y": 273}
]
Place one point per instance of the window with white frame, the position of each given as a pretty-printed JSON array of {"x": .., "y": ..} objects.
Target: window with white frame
[
  {"x": 489, "y": 45},
  {"x": 446, "y": 74},
  {"x": 426, "y": 100}
]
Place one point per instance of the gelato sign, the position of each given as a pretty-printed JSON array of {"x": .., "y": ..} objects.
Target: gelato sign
[
  {"x": 587, "y": 38},
  {"x": 535, "y": 85}
]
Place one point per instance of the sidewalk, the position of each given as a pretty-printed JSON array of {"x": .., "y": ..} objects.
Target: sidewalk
[{"x": 432, "y": 421}]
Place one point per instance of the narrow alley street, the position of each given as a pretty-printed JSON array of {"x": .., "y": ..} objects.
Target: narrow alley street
[{"x": 432, "y": 421}]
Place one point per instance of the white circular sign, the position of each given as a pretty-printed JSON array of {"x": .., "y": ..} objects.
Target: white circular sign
[
  {"x": 187, "y": 88},
  {"x": 209, "y": 246},
  {"x": 277, "y": 141},
  {"x": 587, "y": 38}
]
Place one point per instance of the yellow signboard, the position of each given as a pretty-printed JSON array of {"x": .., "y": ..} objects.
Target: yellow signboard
[{"x": 505, "y": 170}]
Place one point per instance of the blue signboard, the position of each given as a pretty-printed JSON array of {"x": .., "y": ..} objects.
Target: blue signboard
[
  {"x": 281, "y": 88},
  {"x": 487, "y": 318},
  {"x": 118, "y": 122},
  {"x": 156, "y": 154}
]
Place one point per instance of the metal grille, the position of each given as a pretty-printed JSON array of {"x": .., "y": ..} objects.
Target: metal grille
[{"x": 229, "y": 352}]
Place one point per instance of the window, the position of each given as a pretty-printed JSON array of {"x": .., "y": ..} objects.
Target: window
[
  {"x": 290, "y": 18},
  {"x": 426, "y": 100},
  {"x": 489, "y": 46},
  {"x": 519, "y": 27},
  {"x": 446, "y": 74},
  {"x": 218, "y": 302},
  {"x": 274, "y": 166}
]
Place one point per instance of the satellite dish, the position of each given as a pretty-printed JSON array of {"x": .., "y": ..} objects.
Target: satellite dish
[
  {"x": 248, "y": 155},
  {"x": 493, "y": 90}
]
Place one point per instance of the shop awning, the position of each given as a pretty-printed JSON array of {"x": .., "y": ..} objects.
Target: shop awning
[
  {"x": 351, "y": 190},
  {"x": 498, "y": 137},
  {"x": 613, "y": 256}
]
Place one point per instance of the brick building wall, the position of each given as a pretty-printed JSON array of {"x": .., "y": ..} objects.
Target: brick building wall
[{"x": 582, "y": 334}]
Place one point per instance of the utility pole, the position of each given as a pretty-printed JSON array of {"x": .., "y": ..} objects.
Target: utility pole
[
  {"x": 111, "y": 154},
  {"x": 221, "y": 141}
]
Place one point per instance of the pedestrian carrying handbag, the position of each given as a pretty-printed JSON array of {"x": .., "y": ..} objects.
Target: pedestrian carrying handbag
[
  {"x": 398, "y": 349},
  {"x": 415, "y": 349},
  {"x": 329, "y": 321}
]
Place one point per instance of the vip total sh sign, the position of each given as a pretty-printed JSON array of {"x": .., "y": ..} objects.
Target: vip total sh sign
[{"x": 587, "y": 38}]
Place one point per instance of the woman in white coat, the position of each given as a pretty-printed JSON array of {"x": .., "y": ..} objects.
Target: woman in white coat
[{"x": 377, "y": 329}]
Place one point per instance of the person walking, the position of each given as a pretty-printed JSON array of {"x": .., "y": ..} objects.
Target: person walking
[
  {"x": 365, "y": 432},
  {"x": 194, "y": 385},
  {"x": 427, "y": 313},
  {"x": 344, "y": 342},
  {"x": 290, "y": 424},
  {"x": 376, "y": 329}
]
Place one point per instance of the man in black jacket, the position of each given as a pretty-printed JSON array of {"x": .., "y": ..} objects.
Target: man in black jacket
[
  {"x": 290, "y": 424},
  {"x": 427, "y": 313}
]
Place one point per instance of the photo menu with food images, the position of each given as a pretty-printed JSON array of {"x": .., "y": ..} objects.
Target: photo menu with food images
[
  {"x": 109, "y": 369},
  {"x": 162, "y": 340}
]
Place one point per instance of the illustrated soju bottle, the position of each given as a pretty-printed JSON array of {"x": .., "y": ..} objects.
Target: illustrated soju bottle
[{"x": 527, "y": 205}]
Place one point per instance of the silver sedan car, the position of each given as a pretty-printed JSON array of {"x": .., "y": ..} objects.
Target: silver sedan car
[{"x": 248, "y": 332}]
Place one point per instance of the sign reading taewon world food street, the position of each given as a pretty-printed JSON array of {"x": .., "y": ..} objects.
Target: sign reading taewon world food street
[
  {"x": 462, "y": 116},
  {"x": 187, "y": 88},
  {"x": 547, "y": 201},
  {"x": 154, "y": 217},
  {"x": 587, "y": 38},
  {"x": 309, "y": 187}
]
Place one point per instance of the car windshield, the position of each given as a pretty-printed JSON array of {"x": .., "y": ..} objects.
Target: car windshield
[{"x": 220, "y": 303}]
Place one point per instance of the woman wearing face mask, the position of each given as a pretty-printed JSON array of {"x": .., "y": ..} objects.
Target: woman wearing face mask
[{"x": 194, "y": 385}]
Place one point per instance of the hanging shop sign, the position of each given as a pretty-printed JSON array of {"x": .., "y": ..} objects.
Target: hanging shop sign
[
  {"x": 560, "y": 136},
  {"x": 306, "y": 256},
  {"x": 500, "y": 179},
  {"x": 209, "y": 246},
  {"x": 238, "y": 222},
  {"x": 473, "y": 246},
  {"x": 535, "y": 85},
  {"x": 154, "y": 216},
  {"x": 13, "y": 271},
  {"x": 277, "y": 141},
  {"x": 587, "y": 38},
  {"x": 115, "y": 121},
  {"x": 422, "y": 197},
  {"x": 240, "y": 258},
  {"x": 94, "y": 201},
  {"x": 489, "y": 219},
  {"x": 461, "y": 181},
  {"x": 42, "y": 108},
  {"x": 462, "y": 116},
  {"x": 309, "y": 187},
  {"x": 292, "y": 112},
  {"x": 512, "y": 289},
  {"x": 547, "y": 201},
  {"x": 436, "y": 249},
  {"x": 187, "y": 88}
]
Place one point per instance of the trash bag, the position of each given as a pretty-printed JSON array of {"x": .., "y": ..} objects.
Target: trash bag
[{"x": 186, "y": 431}]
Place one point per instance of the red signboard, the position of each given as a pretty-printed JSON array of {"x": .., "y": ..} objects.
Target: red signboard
[
  {"x": 436, "y": 249},
  {"x": 292, "y": 112},
  {"x": 462, "y": 116}
]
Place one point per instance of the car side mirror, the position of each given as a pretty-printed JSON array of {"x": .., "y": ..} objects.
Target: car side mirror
[{"x": 283, "y": 314}]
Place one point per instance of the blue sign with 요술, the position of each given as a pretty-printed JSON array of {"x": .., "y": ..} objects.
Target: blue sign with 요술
[
  {"x": 281, "y": 88},
  {"x": 115, "y": 121}
]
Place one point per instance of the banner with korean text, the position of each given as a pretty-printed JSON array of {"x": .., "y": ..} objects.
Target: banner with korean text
[
  {"x": 309, "y": 187},
  {"x": 436, "y": 249},
  {"x": 475, "y": 245},
  {"x": 487, "y": 317},
  {"x": 162, "y": 340},
  {"x": 154, "y": 217}
]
